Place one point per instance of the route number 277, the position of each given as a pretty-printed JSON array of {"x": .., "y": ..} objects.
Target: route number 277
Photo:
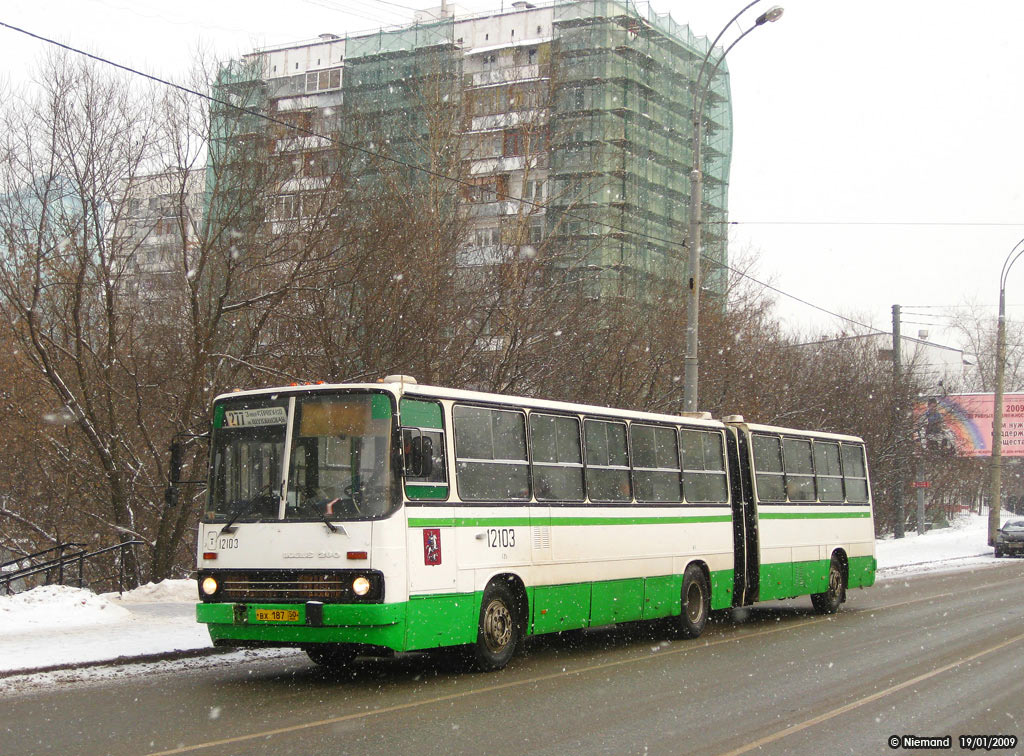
[{"x": 501, "y": 538}]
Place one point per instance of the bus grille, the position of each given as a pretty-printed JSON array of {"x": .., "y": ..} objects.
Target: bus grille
[{"x": 276, "y": 587}]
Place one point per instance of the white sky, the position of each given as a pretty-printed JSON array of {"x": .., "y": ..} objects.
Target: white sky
[{"x": 877, "y": 156}]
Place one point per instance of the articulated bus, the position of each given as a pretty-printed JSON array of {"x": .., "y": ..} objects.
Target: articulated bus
[{"x": 376, "y": 518}]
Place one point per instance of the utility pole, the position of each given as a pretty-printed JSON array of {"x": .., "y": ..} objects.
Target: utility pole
[
  {"x": 921, "y": 483},
  {"x": 897, "y": 420}
]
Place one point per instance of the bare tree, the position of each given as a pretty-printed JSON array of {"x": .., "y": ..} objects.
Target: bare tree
[
  {"x": 131, "y": 355},
  {"x": 976, "y": 329}
]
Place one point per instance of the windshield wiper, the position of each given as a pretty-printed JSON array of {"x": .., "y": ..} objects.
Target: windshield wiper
[
  {"x": 244, "y": 506},
  {"x": 308, "y": 505}
]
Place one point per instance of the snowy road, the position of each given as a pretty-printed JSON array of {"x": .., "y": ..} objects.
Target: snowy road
[{"x": 927, "y": 654}]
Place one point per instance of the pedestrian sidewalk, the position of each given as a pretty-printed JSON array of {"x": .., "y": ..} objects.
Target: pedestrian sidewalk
[{"x": 54, "y": 626}]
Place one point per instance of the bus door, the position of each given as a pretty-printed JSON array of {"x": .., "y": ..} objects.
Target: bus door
[
  {"x": 746, "y": 569},
  {"x": 430, "y": 515}
]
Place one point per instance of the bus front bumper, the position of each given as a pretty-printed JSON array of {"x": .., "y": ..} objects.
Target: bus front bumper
[{"x": 299, "y": 624}]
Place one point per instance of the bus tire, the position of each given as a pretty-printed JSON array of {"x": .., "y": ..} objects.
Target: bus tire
[
  {"x": 499, "y": 629},
  {"x": 829, "y": 601},
  {"x": 696, "y": 602},
  {"x": 333, "y": 656}
]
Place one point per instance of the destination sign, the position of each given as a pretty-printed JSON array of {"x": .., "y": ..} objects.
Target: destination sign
[{"x": 246, "y": 418}]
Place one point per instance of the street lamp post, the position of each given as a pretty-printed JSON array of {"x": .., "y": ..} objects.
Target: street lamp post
[
  {"x": 995, "y": 488},
  {"x": 693, "y": 239}
]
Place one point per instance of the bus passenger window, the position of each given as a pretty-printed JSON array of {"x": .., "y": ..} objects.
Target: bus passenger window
[
  {"x": 557, "y": 459},
  {"x": 827, "y": 471},
  {"x": 490, "y": 454},
  {"x": 607, "y": 461},
  {"x": 704, "y": 467},
  {"x": 799, "y": 469},
  {"x": 656, "y": 475},
  {"x": 768, "y": 468},
  {"x": 855, "y": 474}
]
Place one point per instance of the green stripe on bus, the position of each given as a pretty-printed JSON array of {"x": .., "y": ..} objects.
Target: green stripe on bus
[
  {"x": 780, "y": 580},
  {"x": 416, "y": 491},
  {"x": 447, "y": 619},
  {"x": 506, "y": 522},
  {"x": 811, "y": 515}
]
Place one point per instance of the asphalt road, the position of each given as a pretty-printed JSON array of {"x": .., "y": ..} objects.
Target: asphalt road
[{"x": 926, "y": 656}]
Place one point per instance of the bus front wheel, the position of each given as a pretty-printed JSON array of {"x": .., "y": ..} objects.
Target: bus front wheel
[
  {"x": 696, "y": 602},
  {"x": 829, "y": 601},
  {"x": 499, "y": 628}
]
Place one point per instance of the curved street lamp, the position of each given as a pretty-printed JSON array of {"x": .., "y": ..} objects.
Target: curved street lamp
[
  {"x": 995, "y": 492},
  {"x": 693, "y": 238}
]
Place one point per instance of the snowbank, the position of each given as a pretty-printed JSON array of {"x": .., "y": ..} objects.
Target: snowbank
[
  {"x": 58, "y": 625},
  {"x": 56, "y": 605},
  {"x": 173, "y": 591},
  {"x": 962, "y": 545}
]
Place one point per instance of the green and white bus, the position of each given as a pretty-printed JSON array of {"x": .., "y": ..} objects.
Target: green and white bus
[{"x": 371, "y": 518}]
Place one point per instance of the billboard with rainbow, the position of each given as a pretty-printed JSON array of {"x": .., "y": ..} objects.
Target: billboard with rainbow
[{"x": 962, "y": 424}]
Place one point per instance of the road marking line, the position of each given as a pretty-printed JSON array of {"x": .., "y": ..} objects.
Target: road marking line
[
  {"x": 866, "y": 700},
  {"x": 683, "y": 648}
]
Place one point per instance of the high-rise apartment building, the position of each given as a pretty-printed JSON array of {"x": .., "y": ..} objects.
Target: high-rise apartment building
[
  {"x": 564, "y": 127},
  {"x": 157, "y": 230}
]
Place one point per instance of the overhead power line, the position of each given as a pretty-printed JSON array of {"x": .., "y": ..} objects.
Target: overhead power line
[
  {"x": 455, "y": 180},
  {"x": 949, "y": 224}
]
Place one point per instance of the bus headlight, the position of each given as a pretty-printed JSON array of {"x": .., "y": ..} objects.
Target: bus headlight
[
  {"x": 209, "y": 586},
  {"x": 360, "y": 586}
]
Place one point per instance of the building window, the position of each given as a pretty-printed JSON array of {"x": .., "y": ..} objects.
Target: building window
[
  {"x": 286, "y": 206},
  {"x": 487, "y": 237},
  {"x": 533, "y": 190},
  {"x": 321, "y": 81}
]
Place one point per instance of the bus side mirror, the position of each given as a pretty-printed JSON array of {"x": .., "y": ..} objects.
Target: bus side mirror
[{"x": 419, "y": 454}]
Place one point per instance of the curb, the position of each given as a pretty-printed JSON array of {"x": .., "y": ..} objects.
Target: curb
[{"x": 119, "y": 661}]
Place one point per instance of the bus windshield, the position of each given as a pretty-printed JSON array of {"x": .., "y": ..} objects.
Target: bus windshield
[{"x": 338, "y": 462}]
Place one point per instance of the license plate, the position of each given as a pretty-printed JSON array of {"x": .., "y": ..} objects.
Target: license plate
[{"x": 277, "y": 615}]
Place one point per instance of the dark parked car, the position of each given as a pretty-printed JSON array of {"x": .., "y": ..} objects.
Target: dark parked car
[{"x": 1010, "y": 538}]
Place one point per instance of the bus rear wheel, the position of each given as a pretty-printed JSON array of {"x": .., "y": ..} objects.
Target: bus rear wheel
[
  {"x": 499, "y": 629},
  {"x": 331, "y": 656},
  {"x": 829, "y": 601},
  {"x": 696, "y": 602}
]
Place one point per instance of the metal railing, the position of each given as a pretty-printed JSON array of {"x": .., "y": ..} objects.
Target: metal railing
[{"x": 66, "y": 568}]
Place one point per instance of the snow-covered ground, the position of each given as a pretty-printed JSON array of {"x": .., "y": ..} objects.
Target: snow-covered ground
[{"x": 58, "y": 627}]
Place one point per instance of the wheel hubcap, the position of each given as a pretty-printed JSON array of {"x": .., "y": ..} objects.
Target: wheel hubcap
[
  {"x": 497, "y": 626},
  {"x": 694, "y": 602},
  {"x": 835, "y": 581}
]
